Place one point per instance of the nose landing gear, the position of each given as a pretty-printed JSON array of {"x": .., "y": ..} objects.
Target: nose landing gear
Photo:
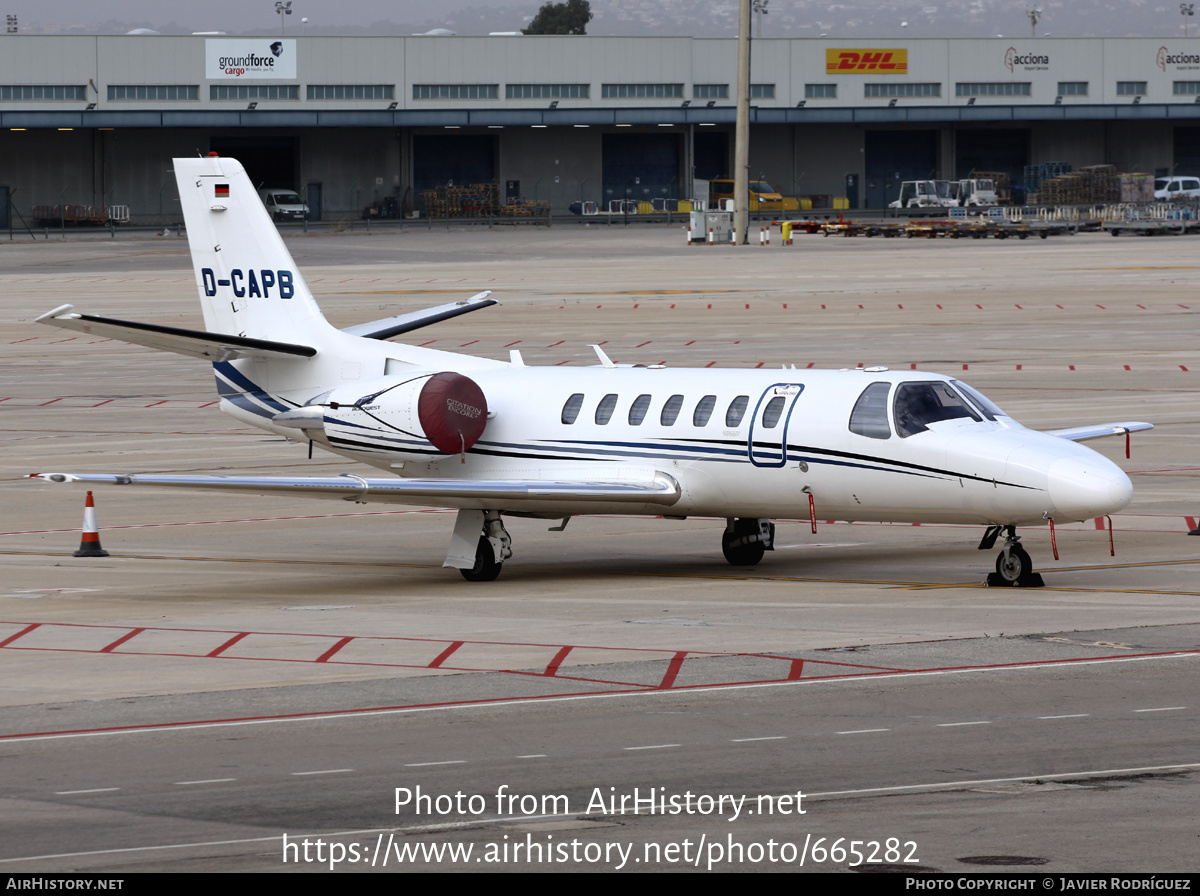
[{"x": 1014, "y": 568}]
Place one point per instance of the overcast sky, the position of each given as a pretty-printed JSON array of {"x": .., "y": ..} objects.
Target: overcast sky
[
  {"x": 239, "y": 15},
  {"x": 874, "y": 19}
]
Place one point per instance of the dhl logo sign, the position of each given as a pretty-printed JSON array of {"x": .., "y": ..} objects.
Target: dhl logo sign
[{"x": 861, "y": 62}]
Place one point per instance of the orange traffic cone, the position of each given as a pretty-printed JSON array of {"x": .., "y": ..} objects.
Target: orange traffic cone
[{"x": 89, "y": 542}]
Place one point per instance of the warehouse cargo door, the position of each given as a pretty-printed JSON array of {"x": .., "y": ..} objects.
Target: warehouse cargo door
[
  {"x": 313, "y": 200},
  {"x": 270, "y": 161},
  {"x": 995, "y": 149},
  {"x": 710, "y": 156},
  {"x": 896, "y": 156},
  {"x": 640, "y": 166},
  {"x": 1187, "y": 151},
  {"x": 440, "y": 161}
]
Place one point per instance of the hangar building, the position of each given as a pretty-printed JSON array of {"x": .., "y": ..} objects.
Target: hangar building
[{"x": 352, "y": 122}]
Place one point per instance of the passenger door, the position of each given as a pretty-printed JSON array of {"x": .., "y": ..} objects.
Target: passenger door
[{"x": 766, "y": 445}]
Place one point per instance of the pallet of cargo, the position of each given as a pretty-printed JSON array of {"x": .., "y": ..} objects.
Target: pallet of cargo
[{"x": 471, "y": 201}]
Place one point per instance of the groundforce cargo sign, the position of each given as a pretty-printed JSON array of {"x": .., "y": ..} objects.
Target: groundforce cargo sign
[
  {"x": 240, "y": 60},
  {"x": 866, "y": 62}
]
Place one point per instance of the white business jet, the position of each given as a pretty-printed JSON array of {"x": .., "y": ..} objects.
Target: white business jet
[{"x": 495, "y": 438}]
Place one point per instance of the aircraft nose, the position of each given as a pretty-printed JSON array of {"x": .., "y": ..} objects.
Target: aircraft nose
[{"x": 1081, "y": 489}]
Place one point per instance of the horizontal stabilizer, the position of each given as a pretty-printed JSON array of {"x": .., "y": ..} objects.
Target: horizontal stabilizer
[
  {"x": 194, "y": 343},
  {"x": 414, "y": 320},
  {"x": 661, "y": 489},
  {"x": 1097, "y": 431}
]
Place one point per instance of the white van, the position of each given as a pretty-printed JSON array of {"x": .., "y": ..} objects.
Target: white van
[
  {"x": 925, "y": 194},
  {"x": 1177, "y": 188},
  {"x": 284, "y": 205}
]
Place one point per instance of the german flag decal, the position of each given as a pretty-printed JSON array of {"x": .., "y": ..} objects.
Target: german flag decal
[{"x": 222, "y": 189}]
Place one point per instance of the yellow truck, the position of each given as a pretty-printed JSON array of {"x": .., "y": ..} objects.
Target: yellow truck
[{"x": 763, "y": 197}]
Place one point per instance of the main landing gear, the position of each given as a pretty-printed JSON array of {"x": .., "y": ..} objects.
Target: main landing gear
[
  {"x": 1014, "y": 568},
  {"x": 744, "y": 541},
  {"x": 479, "y": 546},
  {"x": 487, "y": 567}
]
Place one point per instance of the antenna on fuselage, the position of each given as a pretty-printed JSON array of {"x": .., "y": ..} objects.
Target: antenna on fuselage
[{"x": 605, "y": 360}]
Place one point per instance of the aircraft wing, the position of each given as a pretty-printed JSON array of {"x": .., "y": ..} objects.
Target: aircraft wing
[
  {"x": 194, "y": 343},
  {"x": 414, "y": 320},
  {"x": 659, "y": 489},
  {"x": 1099, "y": 430}
]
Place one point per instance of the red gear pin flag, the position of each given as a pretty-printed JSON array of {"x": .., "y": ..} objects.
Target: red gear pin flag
[{"x": 89, "y": 542}]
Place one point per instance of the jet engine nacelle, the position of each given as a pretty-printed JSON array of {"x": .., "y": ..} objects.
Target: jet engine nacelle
[{"x": 448, "y": 409}]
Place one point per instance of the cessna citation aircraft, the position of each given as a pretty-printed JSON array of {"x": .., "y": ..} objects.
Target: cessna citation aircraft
[{"x": 494, "y": 438}]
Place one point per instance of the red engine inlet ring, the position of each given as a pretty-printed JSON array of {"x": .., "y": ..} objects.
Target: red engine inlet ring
[{"x": 452, "y": 411}]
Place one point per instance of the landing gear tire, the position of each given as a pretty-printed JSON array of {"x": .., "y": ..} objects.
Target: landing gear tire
[
  {"x": 741, "y": 554},
  {"x": 1014, "y": 566},
  {"x": 486, "y": 569}
]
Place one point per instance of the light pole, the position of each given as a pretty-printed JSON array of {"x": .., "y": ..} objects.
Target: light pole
[
  {"x": 1186, "y": 10},
  {"x": 284, "y": 9},
  {"x": 741, "y": 130},
  {"x": 1034, "y": 14},
  {"x": 760, "y": 10}
]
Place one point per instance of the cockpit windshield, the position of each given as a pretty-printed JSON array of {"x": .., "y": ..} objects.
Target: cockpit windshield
[
  {"x": 982, "y": 403},
  {"x": 917, "y": 405}
]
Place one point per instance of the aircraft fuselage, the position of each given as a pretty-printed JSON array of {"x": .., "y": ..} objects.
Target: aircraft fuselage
[{"x": 740, "y": 443}]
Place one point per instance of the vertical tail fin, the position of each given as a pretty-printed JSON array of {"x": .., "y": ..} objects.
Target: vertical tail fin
[{"x": 247, "y": 280}]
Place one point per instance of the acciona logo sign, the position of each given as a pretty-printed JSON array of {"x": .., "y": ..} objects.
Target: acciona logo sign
[
  {"x": 1028, "y": 62},
  {"x": 261, "y": 58},
  {"x": 1165, "y": 57}
]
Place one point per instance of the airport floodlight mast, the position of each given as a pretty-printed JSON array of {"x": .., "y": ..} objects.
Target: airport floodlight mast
[
  {"x": 760, "y": 10},
  {"x": 1034, "y": 15},
  {"x": 741, "y": 131},
  {"x": 12, "y": 24},
  {"x": 284, "y": 10},
  {"x": 1186, "y": 10}
]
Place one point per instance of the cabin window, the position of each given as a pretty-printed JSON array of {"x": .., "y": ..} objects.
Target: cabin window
[
  {"x": 670, "y": 411},
  {"x": 704, "y": 409},
  {"x": 870, "y": 414},
  {"x": 736, "y": 411},
  {"x": 604, "y": 410},
  {"x": 637, "y": 410},
  {"x": 571, "y": 409},
  {"x": 920, "y": 404},
  {"x": 773, "y": 411}
]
